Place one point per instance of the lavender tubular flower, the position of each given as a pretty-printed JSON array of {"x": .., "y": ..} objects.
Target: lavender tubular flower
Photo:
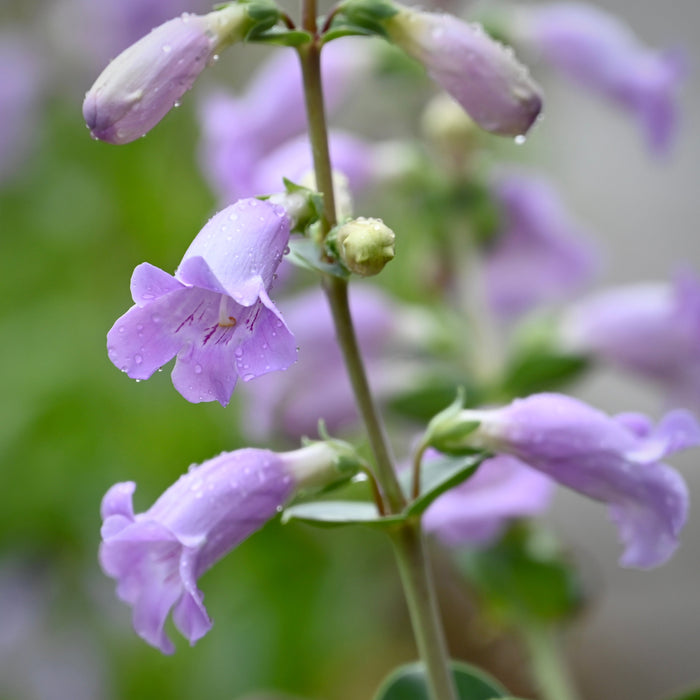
[
  {"x": 541, "y": 254},
  {"x": 215, "y": 314},
  {"x": 612, "y": 460},
  {"x": 480, "y": 73},
  {"x": 476, "y": 512},
  {"x": 157, "y": 556},
  {"x": 598, "y": 51},
  {"x": 652, "y": 330},
  {"x": 141, "y": 85}
]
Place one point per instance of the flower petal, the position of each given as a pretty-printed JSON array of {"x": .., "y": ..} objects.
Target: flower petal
[{"x": 149, "y": 282}]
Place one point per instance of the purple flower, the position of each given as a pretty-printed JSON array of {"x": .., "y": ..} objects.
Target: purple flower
[
  {"x": 247, "y": 149},
  {"x": 613, "y": 460},
  {"x": 598, "y": 51},
  {"x": 649, "y": 329},
  {"x": 141, "y": 85},
  {"x": 481, "y": 74},
  {"x": 540, "y": 254},
  {"x": 157, "y": 556},
  {"x": 317, "y": 387},
  {"x": 475, "y": 512},
  {"x": 215, "y": 314}
]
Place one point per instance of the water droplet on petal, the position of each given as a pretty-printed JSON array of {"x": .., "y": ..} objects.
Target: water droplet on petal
[
  {"x": 198, "y": 369},
  {"x": 520, "y": 139},
  {"x": 166, "y": 48},
  {"x": 248, "y": 377},
  {"x": 138, "y": 359}
]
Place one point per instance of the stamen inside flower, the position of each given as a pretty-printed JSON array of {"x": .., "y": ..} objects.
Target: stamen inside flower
[{"x": 225, "y": 320}]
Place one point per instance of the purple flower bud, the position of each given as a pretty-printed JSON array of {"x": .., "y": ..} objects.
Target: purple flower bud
[
  {"x": 141, "y": 85},
  {"x": 649, "y": 329},
  {"x": 157, "y": 556},
  {"x": 598, "y": 51},
  {"x": 475, "y": 512},
  {"x": 479, "y": 72},
  {"x": 215, "y": 314},
  {"x": 541, "y": 254},
  {"x": 612, "y": 460}
]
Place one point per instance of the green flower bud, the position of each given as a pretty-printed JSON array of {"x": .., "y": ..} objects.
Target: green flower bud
[{"x": 364, "y": 246}]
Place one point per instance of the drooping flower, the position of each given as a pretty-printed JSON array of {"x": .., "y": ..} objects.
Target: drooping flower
[
  {"x": 599, "y": 52},
  {"x": 215, "y": 314},
  {"x": 157, "y": 556},
  {"x": 480, "y": 73},
  {"x": 540, "y": 254},
  {"x": 247, "y": 148},
  {"x": 139, "y": 87},
  {"x": 652, "y": 330},
  {"x": 475, "y": 512},
  {"x": 317, "y": 387},
  {"x": 615, "y": 460}
]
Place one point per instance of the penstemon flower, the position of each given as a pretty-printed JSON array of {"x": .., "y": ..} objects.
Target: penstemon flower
[
  {"x": 215, "y": 314},
  {"x": 600, "y": 52},
  {"x": 614, "y": 460},
  {"x": 157, "y": 556},
  {"x": 652, "y": 330},
  {"x": 540, "y": 254},
  {"x": 476, "y": 512},
  {"x": 139, "y": 87},
  {"x": 480, "y": 73}
]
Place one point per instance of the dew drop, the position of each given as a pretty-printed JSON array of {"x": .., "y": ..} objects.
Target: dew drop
[
  {"x": 176, "y": 103},
  {"x": 166, "y": 48},
  {"x": 248, "y": 377},
  {"x": 198, "y": 369},
  {"x": 520, "y": 139},
  {"x": 138, "y": 359},
  {"x": 121, "y": 329}
]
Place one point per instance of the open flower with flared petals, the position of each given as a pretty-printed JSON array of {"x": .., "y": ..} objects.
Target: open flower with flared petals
[
  {"x": 598, "y": 51},
  {"x": 476, "y": 512},
  {"x": 484, "y": 76},
  {"x": 652, "y": 330},
  {"x": 615, "y": 460},
  {"x": 540, "y": 253},
  {"x": 139, "y": 87},
  {"x": 157, "y": 556},
  {"x": 215, "y": 314}
]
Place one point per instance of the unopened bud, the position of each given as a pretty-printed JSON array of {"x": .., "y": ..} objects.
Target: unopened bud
[
  {"x": 140, "y": 86},
  {"x": 364, "y": 245}
]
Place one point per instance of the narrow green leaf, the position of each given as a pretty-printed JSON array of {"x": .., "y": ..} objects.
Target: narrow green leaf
[
  {"x": 440, "y": 475},
  {"x": 304, "y": 253},
  {"x": 339, "y": 513},
  {"x": 408, "y": 683}
]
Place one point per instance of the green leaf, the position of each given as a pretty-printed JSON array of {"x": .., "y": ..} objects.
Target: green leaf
[
  {"x": 339, "y": 513},
  {"x": 281, "y": 36},
  {"x": 408, "y": 683},
  {"x": 541, "y": 370},
  {"x": 524, "y": 577},
  {"x": 304, "y": 253},
  {"x": 688, "y": 695},
  {"x": 440, "y": 475}
]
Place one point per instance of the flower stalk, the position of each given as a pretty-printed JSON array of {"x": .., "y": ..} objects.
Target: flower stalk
[{"x": 408, "y": 540}]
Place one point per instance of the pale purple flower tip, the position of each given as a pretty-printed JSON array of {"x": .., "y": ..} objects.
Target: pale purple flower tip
[
  {"x": 480, "y": 73},
  {"x": 215, "y": 314},
  {"x": 157, "y": 556},
  {"x": 476, "y": 512},
  {"x": 652, "y": 330},
  {"x": 541, "y": 254},
  {"x": 317, "y": 387},
  {"x": 139, "y": 87},
  {"x": 600, "y": 52},
  {"x": 613, "y": 460}
]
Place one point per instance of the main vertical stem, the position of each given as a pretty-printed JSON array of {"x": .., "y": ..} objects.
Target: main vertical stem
[{"x": 407, "y": 539}]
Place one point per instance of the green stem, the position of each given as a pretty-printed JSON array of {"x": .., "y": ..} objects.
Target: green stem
[
  {"x": 407, "y": 539},
  {"x": 548, "y": 665},
  {"x": 410, "y": 550}
]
